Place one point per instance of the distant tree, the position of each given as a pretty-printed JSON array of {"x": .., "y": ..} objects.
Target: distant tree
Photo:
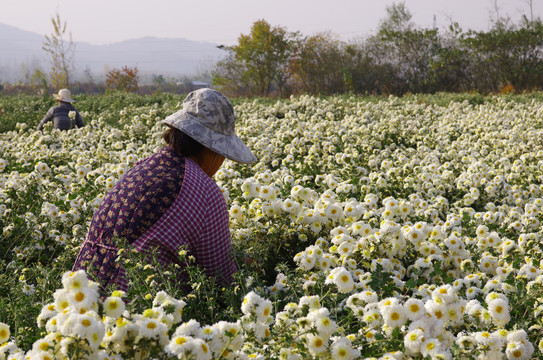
[
  {"x": 364, "y": 65},
  {"x": 28, "y": 69},
  {"x": 38, "y": 77},
  {"x": 229, "y": 76},
  {"x": 508, "y": 56},
  {"x": 159, "y": 79},
  {"x": 406, "y": 49},
  {"x": 318, "y": 64},
  {"x": 88, "y": 77},
  {"x": 258, "y": 62},
  {"x": 125, "y": 79},
  {"x": 498, "y": 21},
  {"x": 60, "y": 48},
  {"x": 397, "y": 19},
  {"x": 452, "y": 67},
  {"x": 530, "y": 4}
]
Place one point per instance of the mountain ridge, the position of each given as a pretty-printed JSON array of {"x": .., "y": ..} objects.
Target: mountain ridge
[{"x": 21, "y": 54}]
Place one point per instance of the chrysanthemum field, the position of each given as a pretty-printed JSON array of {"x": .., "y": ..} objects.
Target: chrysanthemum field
[{"x": 386, "y": 229}]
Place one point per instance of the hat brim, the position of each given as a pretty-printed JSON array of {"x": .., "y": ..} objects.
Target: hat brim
[{"x": 229, "y": 146}]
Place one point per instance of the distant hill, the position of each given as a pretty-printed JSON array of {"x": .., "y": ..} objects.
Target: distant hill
[{"x": 21, "y": 53}]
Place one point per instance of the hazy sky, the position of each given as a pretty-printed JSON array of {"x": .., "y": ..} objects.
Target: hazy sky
[{"x": 222, "y": 21}]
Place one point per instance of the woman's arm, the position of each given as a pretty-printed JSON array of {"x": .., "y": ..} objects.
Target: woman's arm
[
  {"x": 48, "y": 117},
  {"x": 78, "y": 120}
]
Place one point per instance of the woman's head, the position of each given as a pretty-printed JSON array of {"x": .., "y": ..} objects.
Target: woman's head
[
  {"x": 181, "y": 142},
  {"x": 64, "y": 95},
  {"x": 209, "y": 160},
  {"x": 208, "y": 117}
]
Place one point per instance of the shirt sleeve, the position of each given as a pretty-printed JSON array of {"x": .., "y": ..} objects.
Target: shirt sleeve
[
  {"x": 213, "y": 250},
  {"x": 48, "y": 117}
]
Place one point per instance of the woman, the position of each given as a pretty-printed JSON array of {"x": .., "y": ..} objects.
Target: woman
[
  {"x": 168, "y": 201},
  {"x": 60, "y": 114}
]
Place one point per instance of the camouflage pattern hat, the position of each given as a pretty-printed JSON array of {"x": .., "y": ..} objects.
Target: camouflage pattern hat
[{"x": 208, "y": 117}]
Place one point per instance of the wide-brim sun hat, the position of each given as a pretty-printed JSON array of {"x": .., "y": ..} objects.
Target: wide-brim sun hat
[
  {"x": 208, "y": 117},
  {"x": 64, "y": 95}
]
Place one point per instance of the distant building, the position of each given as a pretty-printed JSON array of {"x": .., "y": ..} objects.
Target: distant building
[{"x": 195, "y": 85}]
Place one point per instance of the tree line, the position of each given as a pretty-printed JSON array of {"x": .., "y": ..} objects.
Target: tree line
[{"x": 399, "y": 58}]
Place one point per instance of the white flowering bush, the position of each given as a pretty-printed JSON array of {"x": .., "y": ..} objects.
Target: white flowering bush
[{"x": 383, "y": 229}]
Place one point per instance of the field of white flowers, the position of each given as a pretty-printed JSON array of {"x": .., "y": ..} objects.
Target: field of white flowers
[{"x": 391, "y": 229}]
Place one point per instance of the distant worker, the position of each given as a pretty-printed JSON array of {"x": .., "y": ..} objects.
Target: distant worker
[{"x": 64, "y": 115}]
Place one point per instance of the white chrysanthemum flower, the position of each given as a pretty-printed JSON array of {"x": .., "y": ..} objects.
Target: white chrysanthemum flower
[
  {"x": 394, "y": 315},
  {"x": 236, "y": 212},
  {"x": 250, "y": 302},
  {"x": 472, "y": 292},
  {"x": 316, "y": 344},
  {"x": 430, "y": 346},
  {"x": 207, "y": 332},
  {"x": 325, "y": 262},
  {"x": 4, "y": 333},
  {"x": 291, "y": 206},
  {"x": 150, "y": 328},
  {"x": 333, "y": 211},
  {"x": 48, "y": 343},
  {"x": 230, "y": 332},
  {"x": 263, "y": 311},
  {"x": 414, "y": 236},
  {"x": 47, "y": 312},
  {"x": 517, "y": 335},
  {"x": 85, "y": 327},
  {"x": 322, "y": 322},
  {"x": 390, "y": 301},
  {"x": 289, "y": 354},
  {"x": 530, "y": 271},
  {"x": 189, "y": 328},
  {"x": 491, "y": 296},
  {"x": 488, "y": 264},
  {"x": 313, "y": 302},
  {"x": 437, "y": 309},
  {"x": 315, "y": 226},
  {"x": 188, "y": 347},
  {"x": 305, "y": 261},
  {"x": 499, "y": 310},
  {"x": 518, "y": 350},
  {"x": 360, "y": 228},
  {"x": 355, "y": 302},
  {"x": 342, "y": 278},
  {"x": 42, "y": 355},
  {"x": 342, "y": 349},
  {"x": 260, "y": 330},
  {"x": 86, "y": 298},
  {"x": 267, "y": 192},
  {"x": 372, "y": 315},
  {"x": 75, "y": 281},
  {"x": 482, "y": 231},
  {"x": 114, "y": 307},
  {"x": 369, "y": 296},
  {"x": 62, "y": 300},
  {"x": 413, "y": 340},
  {"x": 445, "y": 293},
  {"x": 414, "y": 309},
  {"x": 345, "y": 248}
]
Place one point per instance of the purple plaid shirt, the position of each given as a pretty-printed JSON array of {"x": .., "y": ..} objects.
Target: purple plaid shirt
[{"x": 196, "y": 221}]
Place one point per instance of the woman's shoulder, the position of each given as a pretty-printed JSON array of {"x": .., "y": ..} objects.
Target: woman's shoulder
[{"x": 62, "y": 107}]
